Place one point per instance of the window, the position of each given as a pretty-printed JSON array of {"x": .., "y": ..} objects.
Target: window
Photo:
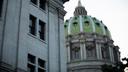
[
  {"x": 41, "y": 64},
  {"x": 31, "y": 68},
  {"x": 35, "y": 28},
  {"x": 34, "y": 65},
  {"x": 42, "y": 30},
  {"x": 75, "y": 51},
  {"x": 74, "y": 23},
  {"x": 42, "y": 4},
  {"x": 41, "y": 70},
  {"x": 105, "y": 51},
  {"x": 1, "y": 4},
  {"x": 91, "y": 51},
  {"x": 86, "y": 23},
  {"x": 98, "y": 24},
  {"x": 31, "y": 63},
  {"x": 34, "y": 1},
  {"x": 31, "y": 58},
  {"x": 32, "y": 25}
]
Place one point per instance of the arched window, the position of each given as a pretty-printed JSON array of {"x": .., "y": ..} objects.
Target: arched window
[
  {"x": 105, "y": 51},
  {"x": 91, "y": 50},
  {"x": 86, "y": 23},
  {"x": 75, "y": 51},
  {"x": 98, "y": 24},
  {"x": 75, "y": 23}
]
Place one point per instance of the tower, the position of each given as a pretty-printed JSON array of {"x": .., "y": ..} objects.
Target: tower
[
  {"x": 88, "y": 42},
  {"x": 31, "y": 36}
]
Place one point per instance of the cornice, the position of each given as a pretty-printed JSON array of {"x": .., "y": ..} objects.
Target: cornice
[{"x": 57, "y": 6}]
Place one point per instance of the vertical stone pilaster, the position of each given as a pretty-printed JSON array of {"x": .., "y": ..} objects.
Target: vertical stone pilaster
[
  {"x": 69, "y": 27},
  {"x": 81, "y": 51},
  {"x": 97, "y": 51},
  {"x": 100, "y": 53},
  {"x": 68, "y": 50},
  {"x": 84, "y": 51},
  {"x": 36, "y": 64},
  {"x": 80, "y": 20},
  {"x": 111, "y": 54}
]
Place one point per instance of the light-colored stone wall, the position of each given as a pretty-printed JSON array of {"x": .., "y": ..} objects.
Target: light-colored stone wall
[{"x": 17, "y": 42}]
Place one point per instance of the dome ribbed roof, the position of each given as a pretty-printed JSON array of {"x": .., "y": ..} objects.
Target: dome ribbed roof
[{"x": 83, "y": 23}]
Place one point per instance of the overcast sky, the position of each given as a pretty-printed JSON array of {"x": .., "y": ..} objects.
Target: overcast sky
[{"x": 113, "y": 13}]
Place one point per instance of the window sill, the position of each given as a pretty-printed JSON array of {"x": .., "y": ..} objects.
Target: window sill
[
  {"x": 37, "y": 38},
  {"x": 31, "y": 63},
  {"x": 34, "y": 4},
  {"x": 42, "y": 10},
  {"x": 38, "y": 7}
]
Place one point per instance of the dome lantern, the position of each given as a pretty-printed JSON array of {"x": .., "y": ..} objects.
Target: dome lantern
[{"x": 80, "y": 10}]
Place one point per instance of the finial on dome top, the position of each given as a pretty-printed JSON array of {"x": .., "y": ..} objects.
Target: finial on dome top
[
  {"x": 80, "y": 10},
  {"x": 79, "y": 3}
]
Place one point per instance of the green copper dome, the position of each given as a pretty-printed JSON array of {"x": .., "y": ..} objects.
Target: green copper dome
[{"x": 82, "y": 23}]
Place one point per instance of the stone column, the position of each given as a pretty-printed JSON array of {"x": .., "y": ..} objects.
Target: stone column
[
  {"x": 81, "y": 50},
  {"x": 84, "y": 51},
  {"x": 100, "y": 53},
  {"x": 97, "y": 51},
  {"x": 111, "y": 54}
]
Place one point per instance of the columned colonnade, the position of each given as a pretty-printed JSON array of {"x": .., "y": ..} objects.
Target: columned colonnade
[{"x": 83, "y": 51}]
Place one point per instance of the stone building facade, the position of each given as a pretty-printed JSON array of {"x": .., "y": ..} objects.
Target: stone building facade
[
  {"x": 88, "y": 42},
  {"x": 31, "y": 36}
]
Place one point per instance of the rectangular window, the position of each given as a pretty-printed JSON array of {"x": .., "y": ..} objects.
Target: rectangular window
[
  {"x": 41, "y": 70},
  {"x": 32, "y": 25},
  {"x": 31, "y": 58},
  {"x": 42, "y": 4},
  {"x": 42, "y": 30},
  {"x": 41, "y": 64},
  {"x": 31, "y": 63},
  {"x": 31, "y": 68},
  {"x": 34, "y": 2},
  {"x": 1, "y": 5},
  {"x": 34, "y": 64}
]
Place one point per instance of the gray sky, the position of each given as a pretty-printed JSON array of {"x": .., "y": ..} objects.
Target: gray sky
[{"x": 113, "y": 13}]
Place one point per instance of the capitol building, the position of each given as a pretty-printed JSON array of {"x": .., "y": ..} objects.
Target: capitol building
[
  {"x": 88, "y": 43},
  {"x": 35, "y": 38}
]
